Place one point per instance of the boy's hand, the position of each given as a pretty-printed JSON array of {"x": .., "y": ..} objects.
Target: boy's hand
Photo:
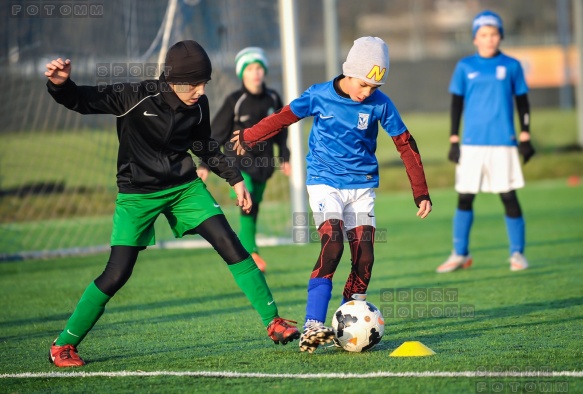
[
  {"x": 454, "y": 152},
  {"x": 286, "y": 168},
  {"x": 237, "y": 147},
  {"x": 424, "y": 209},
  {"x": 58, "y": 70},
  {"x": 202, "y": 173},
  {"x": 243, "y": 197},
  {"x": 525, "y": 148}
]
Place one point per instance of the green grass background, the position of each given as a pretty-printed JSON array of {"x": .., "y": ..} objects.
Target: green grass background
[
  {"x": 73, "y": 157},
  {"x": 181, "y": 311},
  {"x": 84, "y": 162}
]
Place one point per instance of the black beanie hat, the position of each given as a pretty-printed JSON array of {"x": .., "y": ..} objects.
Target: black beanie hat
[{"x": 187, "y": 62}]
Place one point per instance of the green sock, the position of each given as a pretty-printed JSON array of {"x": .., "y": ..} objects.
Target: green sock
[
  {"x": 253, "y": 284},
  {"x": 247, "y": 232},
  {"x": 88, "y": 311}
]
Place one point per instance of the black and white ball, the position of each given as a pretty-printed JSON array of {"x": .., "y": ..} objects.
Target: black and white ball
[{"x": 358, "y": 326}]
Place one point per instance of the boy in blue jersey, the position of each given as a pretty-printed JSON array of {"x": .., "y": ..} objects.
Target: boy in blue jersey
[
  {"x": 483, "y": 86},
  {"x": 342, "y": 171}
]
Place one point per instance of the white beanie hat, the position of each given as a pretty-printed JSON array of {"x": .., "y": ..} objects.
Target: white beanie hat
[
  {"x": 368, "y": 59},
  {"x": 249, "y": 55}
]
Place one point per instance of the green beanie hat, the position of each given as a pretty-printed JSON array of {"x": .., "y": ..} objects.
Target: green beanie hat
[{"x": 247, "y": 56}]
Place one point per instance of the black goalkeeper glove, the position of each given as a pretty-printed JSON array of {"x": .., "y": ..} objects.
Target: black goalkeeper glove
[
  {"x": 526, "y": 150},
  {"x": 454, "y": 152}
]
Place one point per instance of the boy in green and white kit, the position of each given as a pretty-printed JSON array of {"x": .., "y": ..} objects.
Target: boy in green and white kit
[
  {"x": 158, "y": 122},
  {"x": 242, "y": 109}
]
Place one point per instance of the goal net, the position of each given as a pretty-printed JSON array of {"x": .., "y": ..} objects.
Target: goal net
[{"x": 57, "y": 168}]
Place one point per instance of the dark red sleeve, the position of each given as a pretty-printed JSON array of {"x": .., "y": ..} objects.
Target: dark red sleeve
[
  {"x": 267, "y": 127},
  {"x": 407, "y": 148}
]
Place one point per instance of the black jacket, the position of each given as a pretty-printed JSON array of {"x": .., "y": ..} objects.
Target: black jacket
[
  {"x": 242, "y": 109},
  {"x": 155, "y": 131}
]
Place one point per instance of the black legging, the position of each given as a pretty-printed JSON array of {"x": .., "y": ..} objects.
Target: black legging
[
  {"x": 216, "y": 230},
  {"x": 509, "y": 199},
  {"x": 361, "y": 240}
]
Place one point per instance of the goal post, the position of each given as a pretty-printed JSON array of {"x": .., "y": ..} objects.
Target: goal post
[{"x": 57, "y": 167}]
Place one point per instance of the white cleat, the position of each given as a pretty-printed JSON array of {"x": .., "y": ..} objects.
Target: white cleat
[
  {"x": 454, "y": 262},
  {"x": 518, "y": 262},
  {"x": 315, "y": 334}
]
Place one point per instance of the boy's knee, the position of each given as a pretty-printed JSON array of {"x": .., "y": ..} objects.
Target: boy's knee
[
  {"x": 465, "y": 201},
  {"x": 332, "y": 238},
  {"x": 511, "y": 204},
  {"x": 113, "y": 278}
]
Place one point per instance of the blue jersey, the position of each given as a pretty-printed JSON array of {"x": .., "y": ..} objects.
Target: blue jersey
[
  {"x": 488, "y": 86},
  {"x": 343, "y": 139}
]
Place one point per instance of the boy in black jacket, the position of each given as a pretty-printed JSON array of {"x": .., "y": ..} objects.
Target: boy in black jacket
[
  {"x": 158, "y": 121},
  {"x": 242, "y": 109}
]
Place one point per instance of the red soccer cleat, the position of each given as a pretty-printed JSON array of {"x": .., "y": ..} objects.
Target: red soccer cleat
[
  {"x": 65, "y": 356},
  {"x": 280, "y": 331}
]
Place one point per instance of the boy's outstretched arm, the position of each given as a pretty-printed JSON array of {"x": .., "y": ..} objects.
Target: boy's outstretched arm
[
  {"x": 269, "y": 126},
  {"x": 457, "y": 107},
  {"x": 407, "y": 148},
  {"x": 524, "y": 145}
]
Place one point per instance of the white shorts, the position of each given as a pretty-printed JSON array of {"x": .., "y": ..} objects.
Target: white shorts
[
  {"x": 489, "y": 169},
  {"x": 355, "y": 207}
]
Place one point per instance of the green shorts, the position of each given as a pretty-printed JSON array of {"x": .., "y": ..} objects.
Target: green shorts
[{"x": 185, "y": 207}]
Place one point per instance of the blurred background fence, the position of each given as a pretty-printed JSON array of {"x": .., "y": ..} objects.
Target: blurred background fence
[{"x": 57, "y": 168}]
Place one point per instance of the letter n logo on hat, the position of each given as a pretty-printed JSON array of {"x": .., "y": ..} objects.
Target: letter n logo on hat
[{"x": 376, "y": 73}]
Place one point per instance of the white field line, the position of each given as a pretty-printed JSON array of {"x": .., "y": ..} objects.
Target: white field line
[{"x": 228, "y": 374}]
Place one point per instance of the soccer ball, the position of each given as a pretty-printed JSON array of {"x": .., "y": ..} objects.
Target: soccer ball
[{"x": 358, "y": 326}]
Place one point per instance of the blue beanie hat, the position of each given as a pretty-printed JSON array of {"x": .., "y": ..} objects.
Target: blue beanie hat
[
  {"x": 487, "y": 18},
  {"x": 249, "y": 55}
]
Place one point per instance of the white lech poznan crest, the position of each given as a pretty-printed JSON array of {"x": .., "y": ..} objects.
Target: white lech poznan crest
[
  {"x": 362, "y": 121},
  {"x": 500, "y": 72}
]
